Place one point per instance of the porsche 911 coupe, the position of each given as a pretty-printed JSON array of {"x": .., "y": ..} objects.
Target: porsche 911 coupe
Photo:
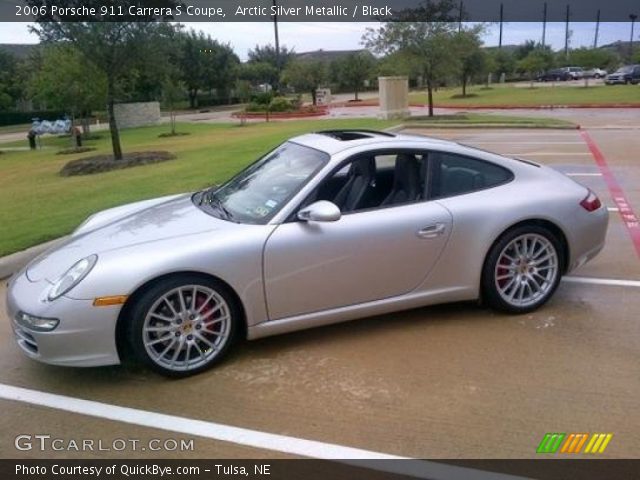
[{"x": 327, "y": 227}]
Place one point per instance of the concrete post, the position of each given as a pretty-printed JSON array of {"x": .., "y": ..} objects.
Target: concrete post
[{"x": 394, "y": 97}]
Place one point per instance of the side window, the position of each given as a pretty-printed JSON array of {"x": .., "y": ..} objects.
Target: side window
[
  {"x": 455, "y": 175},
  {"x": 376, "y": 180}
]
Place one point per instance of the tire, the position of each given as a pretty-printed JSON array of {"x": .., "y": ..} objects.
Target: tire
[
  {"x": 520, "y": 280},
  {"x": 183, "y": 325}
]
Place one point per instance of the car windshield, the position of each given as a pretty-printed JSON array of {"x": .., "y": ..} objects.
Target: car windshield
[
  {"x": 624, "y": 70},
  {"x": 257, "y": 193}
]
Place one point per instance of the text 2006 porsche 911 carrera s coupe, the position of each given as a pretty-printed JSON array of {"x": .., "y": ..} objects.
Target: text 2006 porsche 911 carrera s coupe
[{"x": 327, "y": 227}]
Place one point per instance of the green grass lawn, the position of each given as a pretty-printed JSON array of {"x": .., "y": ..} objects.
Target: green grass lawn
[
  {"x": 36, "y": 204},
  {"x": 527, "y": 97}
]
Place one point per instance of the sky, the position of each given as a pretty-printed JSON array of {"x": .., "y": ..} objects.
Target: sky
[{"x": 304, "y": 37}]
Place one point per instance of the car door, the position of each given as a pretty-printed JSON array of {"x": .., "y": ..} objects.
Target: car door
[{"x": 365, "y": 256}]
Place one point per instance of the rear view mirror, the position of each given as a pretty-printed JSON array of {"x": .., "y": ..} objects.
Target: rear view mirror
[{"x": 321, "y": 211}]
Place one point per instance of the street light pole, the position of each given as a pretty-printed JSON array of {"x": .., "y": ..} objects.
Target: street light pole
[
  {"x": 275, "y": 29},
  {"x": 633, "y": 17}
]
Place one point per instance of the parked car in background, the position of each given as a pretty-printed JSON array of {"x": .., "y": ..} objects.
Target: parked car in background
[
  {"x": 573, "y": 73},
  {"x": 624, "y": 75},
  {"x": 594, "y": 73},
  {"x": 561, "y": 74},
  {"x": 554, "y": 75}
]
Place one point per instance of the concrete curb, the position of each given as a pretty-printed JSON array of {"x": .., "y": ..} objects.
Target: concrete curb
[{"x": 14, "y": 262}]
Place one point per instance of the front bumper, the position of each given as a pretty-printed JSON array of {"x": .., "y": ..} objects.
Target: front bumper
[{"x": 85, "y": 337}]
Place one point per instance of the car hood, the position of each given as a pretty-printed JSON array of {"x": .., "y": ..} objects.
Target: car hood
[{"x": 133, "y": 224}]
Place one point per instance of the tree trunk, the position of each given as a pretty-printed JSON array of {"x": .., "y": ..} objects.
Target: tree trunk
[
  {"x": 193, "y": 98},
  {"x": 113, "y": 127},
  {"x": 430, "y": 96},
  {"x": 356, "y": 89},
  {"x": 464, "y": 85},
  {"x": 86, "y": 126},
  {"x": 313, "y": 96}
]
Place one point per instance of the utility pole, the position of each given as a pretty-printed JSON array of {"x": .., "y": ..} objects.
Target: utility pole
[
  {"x": 501, "y": 19},
  {"x": 633, "y": 17},
  {"x": 275, "y": 29},
  {"x": 595, "y": 40},
  {"x": 460, "y": 16},
  {"x": 544, "y": 24},
  {"x": 566, "y": 34}
]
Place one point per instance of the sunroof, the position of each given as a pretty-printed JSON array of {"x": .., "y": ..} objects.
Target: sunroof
[{"x": 346, "y": 135}]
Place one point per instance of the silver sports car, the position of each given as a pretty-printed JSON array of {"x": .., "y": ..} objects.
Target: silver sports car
[{"x": 328, "y": 227}]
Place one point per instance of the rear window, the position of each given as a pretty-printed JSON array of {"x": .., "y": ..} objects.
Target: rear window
[{"x": 456, "y": 175}]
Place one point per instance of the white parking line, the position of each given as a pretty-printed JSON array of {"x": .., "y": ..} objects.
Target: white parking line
[
  {"x": 583, "y": 174},
  {"x": 551, "y": 154},
  {"x": 246, "y": 437},
  {"x": 482, "y": 142},
  {"x": 613, "y": 209},
  {"x": 614, "y": 282}
]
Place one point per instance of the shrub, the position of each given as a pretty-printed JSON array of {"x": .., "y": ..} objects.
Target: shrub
[
  {"x": 281, "y": 104},
  {"x": 262, "y": 98}
]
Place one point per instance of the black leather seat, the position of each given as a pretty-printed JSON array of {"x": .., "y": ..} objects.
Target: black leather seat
[
  {"x": 406, "y": 181},
  {"x": 356, "y": 192},
  {"x": 457, "y": 180}
]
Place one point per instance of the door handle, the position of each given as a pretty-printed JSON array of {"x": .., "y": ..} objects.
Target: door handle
[{"x": 431, "y": 231}]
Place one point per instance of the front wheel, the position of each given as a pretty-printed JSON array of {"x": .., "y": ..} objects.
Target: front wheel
[
  {"x": 183, "y": 325},
  {"x": 522, "y": 270}
]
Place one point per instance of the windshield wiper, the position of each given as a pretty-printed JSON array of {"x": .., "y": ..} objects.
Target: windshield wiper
[{"x": 212, "y": 199}]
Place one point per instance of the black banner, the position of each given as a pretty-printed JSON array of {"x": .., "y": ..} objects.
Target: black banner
[
  {"x": 542, "y": 469},
  {"x": 320, "y": 10}
]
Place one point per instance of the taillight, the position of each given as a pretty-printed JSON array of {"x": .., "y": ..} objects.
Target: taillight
[{"x": 591, "y": 202}]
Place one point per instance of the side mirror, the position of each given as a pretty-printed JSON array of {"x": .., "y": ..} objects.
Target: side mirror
[{"x": 321, "y": 211}]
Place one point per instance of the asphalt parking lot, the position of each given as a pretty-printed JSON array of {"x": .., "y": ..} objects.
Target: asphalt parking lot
[{"x": 451, "y": 381}]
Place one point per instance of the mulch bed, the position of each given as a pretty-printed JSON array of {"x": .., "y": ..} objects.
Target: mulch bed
[
  {"x": 106, "y": 163},
  {"x": 69, "y": 151},
  {"x": 177, "y": 134}
]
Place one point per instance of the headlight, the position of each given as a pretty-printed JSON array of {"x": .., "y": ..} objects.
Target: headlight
[{"x": 72, "y": 277}]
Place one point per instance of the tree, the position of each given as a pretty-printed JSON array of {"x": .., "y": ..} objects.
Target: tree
[
  {"x": 354, "y": 69},
  {"x": 278, "y": 61},
  {"x": 221, "y": 68},
  {"x": 111, "y": 47},
  {"x": 206, "y": 64},
  {"x": 172, "y": 92},
  {"x": 428, "y": 45},
  {"x": 305, "y": 76},
  {"x": 64, "y": 82},
  {"x": 588, "y": 58},
  {"x": 536, "y": 61},
  {"x": 503, "y": 62},
  {"x": 472, "y": 57},
  {"x": 8, "y": 69},
  {"x": 524, "y": 49},
  {"x": 258, "y": 73}
]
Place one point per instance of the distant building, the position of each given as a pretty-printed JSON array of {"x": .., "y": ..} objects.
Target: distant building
[{"x": 328, "y": 55}]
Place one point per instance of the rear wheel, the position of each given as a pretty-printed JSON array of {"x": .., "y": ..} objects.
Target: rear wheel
[
  {"x": 183, "y": 325},
  {"x": 522, "y": 270}
]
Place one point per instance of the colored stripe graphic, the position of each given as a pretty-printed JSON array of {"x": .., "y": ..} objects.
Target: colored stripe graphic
[
  {"x": 573, "y": 443},
  {"x": 598, "y": 443},
  {"x": 550, "y": 443},
  {"x": 627, "y": 215}
]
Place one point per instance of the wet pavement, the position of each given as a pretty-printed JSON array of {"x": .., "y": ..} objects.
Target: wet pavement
[{"x": 451, "y": 381}]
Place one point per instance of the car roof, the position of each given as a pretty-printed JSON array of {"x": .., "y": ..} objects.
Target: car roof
[{"x": 335, "y": 141}]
